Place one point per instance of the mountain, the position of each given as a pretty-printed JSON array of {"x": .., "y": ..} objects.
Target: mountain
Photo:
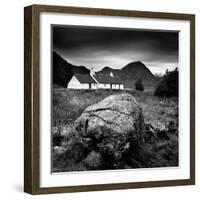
[
  {"x": 135, "y": 70},
  {"x": 107, "y": 70},
  {"x": 132, "y": 72},
  {"x": 63, "y": 71}
]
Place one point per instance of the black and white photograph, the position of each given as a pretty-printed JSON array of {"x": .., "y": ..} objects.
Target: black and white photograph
[{"x": 114, "y": 98}]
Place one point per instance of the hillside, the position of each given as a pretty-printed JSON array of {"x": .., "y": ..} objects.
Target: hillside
[
  {"x": 63, "y": 71},
  {"x": 106, "y": 71},
  {"x": 130, "y": 73},
  {"x": 135, "y": 70}
]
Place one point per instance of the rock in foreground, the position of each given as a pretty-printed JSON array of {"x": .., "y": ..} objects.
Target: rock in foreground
[{"x": 114, "y": 124}]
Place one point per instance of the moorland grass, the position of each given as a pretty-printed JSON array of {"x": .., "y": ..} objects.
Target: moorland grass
[{"x": 68, "y": 105}]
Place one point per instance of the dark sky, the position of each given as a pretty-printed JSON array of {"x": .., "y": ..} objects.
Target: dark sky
[{"x": 99, "y": 47}]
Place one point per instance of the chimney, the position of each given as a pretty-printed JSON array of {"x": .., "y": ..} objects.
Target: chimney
[{"x": 92, "y": 73}]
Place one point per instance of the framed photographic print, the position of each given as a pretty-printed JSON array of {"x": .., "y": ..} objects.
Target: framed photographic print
[{"x": 109, "y": 99}]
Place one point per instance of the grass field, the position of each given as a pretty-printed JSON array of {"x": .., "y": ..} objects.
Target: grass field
[{"x": 69, "y": 104}]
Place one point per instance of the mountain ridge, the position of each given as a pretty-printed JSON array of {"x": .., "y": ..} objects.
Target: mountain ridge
[{"x": 63, "y": 72}]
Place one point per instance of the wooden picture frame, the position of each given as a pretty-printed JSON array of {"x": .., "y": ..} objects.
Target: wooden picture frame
[{"x": 32, "y": 98}]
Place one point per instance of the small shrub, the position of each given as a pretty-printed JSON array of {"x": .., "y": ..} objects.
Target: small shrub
[{"x": 139, "y": 85}]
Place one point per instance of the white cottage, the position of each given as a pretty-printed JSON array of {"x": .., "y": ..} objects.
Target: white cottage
[
  {"x": 108, "y": 81},
  {"x": 95, "y": 81},
  {"x": 82, "y": 81}
]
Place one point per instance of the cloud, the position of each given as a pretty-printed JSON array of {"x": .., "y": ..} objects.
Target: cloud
[{"x": 95, "y": 47}]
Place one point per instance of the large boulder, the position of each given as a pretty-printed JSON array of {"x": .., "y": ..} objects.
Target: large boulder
[{"x": 114, "y": 124}]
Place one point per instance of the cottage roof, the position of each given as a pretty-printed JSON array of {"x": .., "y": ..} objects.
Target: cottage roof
[
  {"x": 105, "y": 79},
  {"x": 84, "y": 78}
]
